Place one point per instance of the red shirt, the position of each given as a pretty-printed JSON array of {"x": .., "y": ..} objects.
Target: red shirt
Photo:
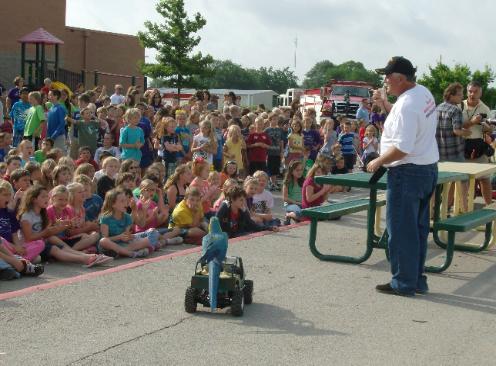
[
  {"x": 361, "y": 133},
  {"x": 309, "y": 182},
  {"x": 258, "y": 154}
]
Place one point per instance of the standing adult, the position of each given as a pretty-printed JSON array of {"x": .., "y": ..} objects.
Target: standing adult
[
  {"x": 56, "y": 120},
  {"x": 409, "y": 151},
  {"x": 450, "y": 131},
  {"x": 475, "y": 147},
  {"x": 14, "y": 94},
  {"x": 364, "y": 111}
]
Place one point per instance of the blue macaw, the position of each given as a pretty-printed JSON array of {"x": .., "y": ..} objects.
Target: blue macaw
[{"x": 214, "y": 249}]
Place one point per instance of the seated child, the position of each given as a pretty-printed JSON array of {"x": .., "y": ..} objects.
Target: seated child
[
  {"x": 263, "y": 201},
  {"x": 21, "y": 181},
  {"x": 34, "y": 170},
  {"x": 116, "y": 229},
  {"x": 13, "y": 163},
  {"x": 93, "y": 203},
  {"x": 227, "y": 184},
  {"x": 35, "y": 226},
  {"x": 201, "y": 169},
  {"x": 11, "y": 267},
  {"x": 60, "y": 211},
  {"x": 188, "y": 215},
  {"x": 85, "y": 169},
  {"x": 148, "y": 214},
  {"x": 105, "y": 178},
  {"x": 26, "y": 152},
  {"x": 230, "y": 171},
  {"x": 47, "y": 169},
  {"x": 29, "y": 251},
  {"x": 62, "y": 175},
  {"x": 314, "y": 194},
  {"x": 292, "y": 191},
  {"x": 85, "y": 157},
  {"x": 233, "y": 217}
]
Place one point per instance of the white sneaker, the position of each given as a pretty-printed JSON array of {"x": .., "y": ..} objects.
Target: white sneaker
[
  {"x": 141, "y": 253},
  {"x": 175, "y": 241}
]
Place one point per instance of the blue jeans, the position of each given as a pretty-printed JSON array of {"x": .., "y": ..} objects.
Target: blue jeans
[
  {"x": 293, "y": 208},
  {"x": 410, "y": 188}
]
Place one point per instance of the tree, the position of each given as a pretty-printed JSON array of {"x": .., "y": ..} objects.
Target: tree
[
  {"x": 228, "y": 75},
  {"x": 441, "y": 75},
  {"x": 323, "y": 71},
  {"x": 175, "y": 39}
]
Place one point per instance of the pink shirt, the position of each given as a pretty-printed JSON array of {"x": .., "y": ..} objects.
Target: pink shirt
[
  {"x": 67, "y": 213},
  {"x": 203, "y": 187},
  {"x": 149, "y": 212}
]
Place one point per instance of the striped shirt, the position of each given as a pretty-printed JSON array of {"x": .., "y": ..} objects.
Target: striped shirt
[{"x": 346, "y": 140}]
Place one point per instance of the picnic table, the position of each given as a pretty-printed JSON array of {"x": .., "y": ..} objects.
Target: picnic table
[
  {"x": 361, "y": 180},
  {"x": 474, "y": 171}
]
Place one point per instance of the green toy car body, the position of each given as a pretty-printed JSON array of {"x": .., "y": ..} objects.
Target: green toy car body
[{"x": 234, "y": 290}]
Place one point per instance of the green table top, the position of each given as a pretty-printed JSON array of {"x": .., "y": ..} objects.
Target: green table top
[{"x": 361, "y": 179}]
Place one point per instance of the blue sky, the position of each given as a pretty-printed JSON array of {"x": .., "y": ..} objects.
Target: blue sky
[{"x": 258, "y": 33}]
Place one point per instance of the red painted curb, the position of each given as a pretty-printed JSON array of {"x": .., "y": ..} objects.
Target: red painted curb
[{"x": 123, "y": 267}]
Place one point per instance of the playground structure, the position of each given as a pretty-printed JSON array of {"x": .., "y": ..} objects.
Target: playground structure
[{"x": 46, "y": 64}]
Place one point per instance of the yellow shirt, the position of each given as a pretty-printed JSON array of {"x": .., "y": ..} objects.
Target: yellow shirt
[
  {"x": 182, "y": 216},
  {"x": 235, "y": 149}
]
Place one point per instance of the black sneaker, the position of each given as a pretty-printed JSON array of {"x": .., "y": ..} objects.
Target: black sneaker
[
  {"x": 387, "y": 289},
  {"x": 33, "y": 270},
  {"x": 8, "y": 274},
  {"x": 287, "y": 221}
]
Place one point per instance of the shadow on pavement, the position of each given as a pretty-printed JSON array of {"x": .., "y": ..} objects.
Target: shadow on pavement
[
  {"x": 271, "y": 319},
  {"x": 465, "y": 302}
]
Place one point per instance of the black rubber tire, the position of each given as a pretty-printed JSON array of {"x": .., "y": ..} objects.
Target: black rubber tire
[
  {"x": 237, "y": 303},
  {"x": 248, "y": 292},
  {"x": 190, "y": 300}
]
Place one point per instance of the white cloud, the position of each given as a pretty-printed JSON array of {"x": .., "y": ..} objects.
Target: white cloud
[{"x": 261, "y": 32}]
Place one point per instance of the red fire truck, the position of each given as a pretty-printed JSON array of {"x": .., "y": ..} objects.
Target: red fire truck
[{"x": 337, "y": 97}]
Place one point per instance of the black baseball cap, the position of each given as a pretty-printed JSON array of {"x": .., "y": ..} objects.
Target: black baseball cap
[{"x": 398, "y": 64}]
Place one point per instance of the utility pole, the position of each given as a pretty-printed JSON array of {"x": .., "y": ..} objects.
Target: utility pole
[{"x": 296, "y": 46}]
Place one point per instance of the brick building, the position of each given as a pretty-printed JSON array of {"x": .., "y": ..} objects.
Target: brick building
[{"x": 83, "y": 49}]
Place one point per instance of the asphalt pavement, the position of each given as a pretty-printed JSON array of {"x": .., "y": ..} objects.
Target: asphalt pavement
[{"x": 305, "y": 312}]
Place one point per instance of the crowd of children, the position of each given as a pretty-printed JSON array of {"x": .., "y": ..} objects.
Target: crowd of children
[{"x": 134, "y": 176}]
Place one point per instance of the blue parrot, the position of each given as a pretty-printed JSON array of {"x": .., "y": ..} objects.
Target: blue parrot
[{"x": 214, "y": 249}]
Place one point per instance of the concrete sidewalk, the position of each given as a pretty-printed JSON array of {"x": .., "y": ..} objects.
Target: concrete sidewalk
[{"x": 305, "y": 312}]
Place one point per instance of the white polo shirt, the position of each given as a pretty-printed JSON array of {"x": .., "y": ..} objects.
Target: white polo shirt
[{"x": 411, "y": 128}]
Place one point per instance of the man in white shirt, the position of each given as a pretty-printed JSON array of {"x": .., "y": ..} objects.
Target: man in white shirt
[
  {"x": 409, "y": 151},
  {"x": 117, "y": 97}
]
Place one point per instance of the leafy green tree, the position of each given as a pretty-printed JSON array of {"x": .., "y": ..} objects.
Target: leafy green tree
[
  {"x": 277, "y": 80},
  {"x": 322, "y": 72},
  {"x": 229, "y": 75},
  {"x": 175, "y": 39},
  {"x": 441, "y": 75}
]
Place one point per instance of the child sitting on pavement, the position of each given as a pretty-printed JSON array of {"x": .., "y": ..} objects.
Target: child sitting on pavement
[{"x": 234, "y": 219}]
